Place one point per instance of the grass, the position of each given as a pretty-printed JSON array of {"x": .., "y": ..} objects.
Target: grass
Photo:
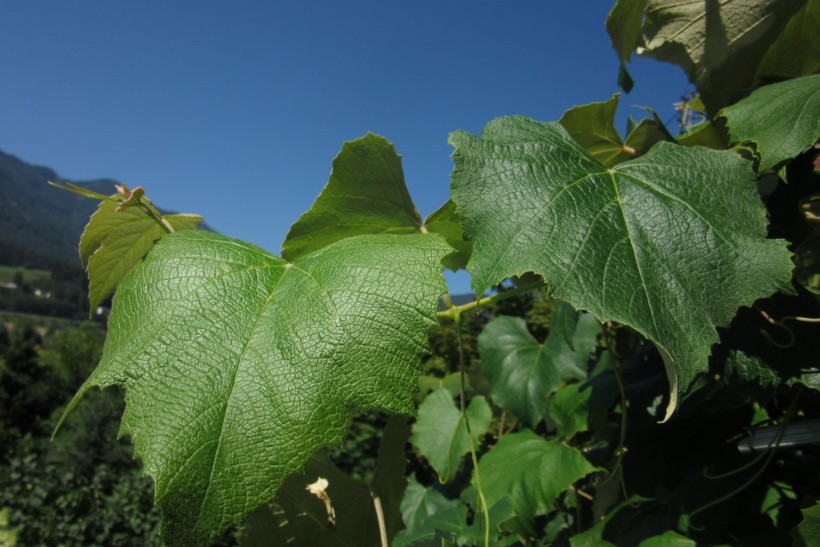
[
  {"x": 42, "y": 323},
  {"x": 7, "y": 273}
]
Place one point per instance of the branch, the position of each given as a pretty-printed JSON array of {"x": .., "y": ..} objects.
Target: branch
[{"x": 454, "y": 312}]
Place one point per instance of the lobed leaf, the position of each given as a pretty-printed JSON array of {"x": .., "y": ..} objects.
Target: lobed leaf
[
  {"x": 522, "y": 372},
  {"x": 796, "y": 52},
  {"x": 783, "y": 119},
  {"x": 115, "y": 241},
  {"x": 718, "y": 44},
  {"x": 623, "y": 23},
  {"x": 507, "y": 470},
  {"x": 569, "y": 409},
  {"x": 366, "y": 194},
  {"x": 808, "y": 531},
  {"x": 671, "y": 243},
  {"x": 702, "y": 134},
  {"x": 624, "y": 27},
  {"x": 238, "y": 365},
  {"x": 440, "y": 433},
  {"x": 427, "y": 514},
  {"x": 593, "y": 127}
]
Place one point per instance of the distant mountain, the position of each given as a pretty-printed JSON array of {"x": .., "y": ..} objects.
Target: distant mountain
[{"x": 41, "y": 225}]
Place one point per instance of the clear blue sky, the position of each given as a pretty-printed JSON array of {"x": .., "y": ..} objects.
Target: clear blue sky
[{"x": 235, "y": 110}]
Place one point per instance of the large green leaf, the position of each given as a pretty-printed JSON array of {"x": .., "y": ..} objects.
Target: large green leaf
[
  {"x": 783, "y": 119},
  {"x": 671, "y": 243},
  {"x": 238, "y": 365},
  {"x": 532, "y": 472},
  {"x": 718, "y": 44},
  {"x": 796, "y": 51},
  {"x": 366, "y": 194},
  {"x": 114, "y": 241},
  {"x": 440, "y": 432},
  {"x": 522, "y": 372}
]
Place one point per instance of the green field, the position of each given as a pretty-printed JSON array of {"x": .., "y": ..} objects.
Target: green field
[{"x": 29, "y": 276}]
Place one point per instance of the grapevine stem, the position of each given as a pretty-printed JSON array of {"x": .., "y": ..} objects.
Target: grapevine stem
[
  {"x": 453, "y": 312},
  {"x": 621, "y": 449},
  {"x": 377, "y": 504},
  {"x": 463, "y": 397}
]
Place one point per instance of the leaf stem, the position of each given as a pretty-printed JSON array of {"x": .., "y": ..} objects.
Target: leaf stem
[
  {"x": 377, "y": 504},
  {"x": 463, "y": 404},
  {"x": 155, "y": 215},
  {"x": 80, "y": 191},
  {"x": 453, "y": 312}
]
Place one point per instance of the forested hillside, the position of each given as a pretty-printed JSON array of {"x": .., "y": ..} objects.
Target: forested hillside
[{"x": 38, "y": 226}]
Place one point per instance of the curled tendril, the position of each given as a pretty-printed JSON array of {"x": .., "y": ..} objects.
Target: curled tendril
[
  {"x": 781, "y": 324},
  {"x": 766, "y": 456}
]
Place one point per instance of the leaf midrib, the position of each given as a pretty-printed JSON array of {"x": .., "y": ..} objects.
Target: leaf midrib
[{"x": 229, "y": 395}]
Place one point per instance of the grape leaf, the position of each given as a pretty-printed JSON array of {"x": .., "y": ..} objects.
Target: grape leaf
[
  {"x": 507, "y": 470},
  {"x": 702, "y": 134},
  {"x": 796, "y": 51},
  {"x": 624, "y": 27},
  {"x": 718, "y": 44},
  {"x": 445, "y": 221},
  {"x": 593, "y": 127},
  {"x": 522, "y": 372},
  {"x": 646, "y": 134},
  {"x": 808, "y": 531},
  {"x": 671, "y": 243},
  {"x": 366, "y": 194},
  {"x": 752, "y": 368},
  {"x": 428, "y": 514},
  {"x": 569, "y": 409},
  {"x": 440, "y": 433},
  {"x": 239, "y": 365},
  {"x": 783, "y": 119},
  {"x": 115, "y": 241}
]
